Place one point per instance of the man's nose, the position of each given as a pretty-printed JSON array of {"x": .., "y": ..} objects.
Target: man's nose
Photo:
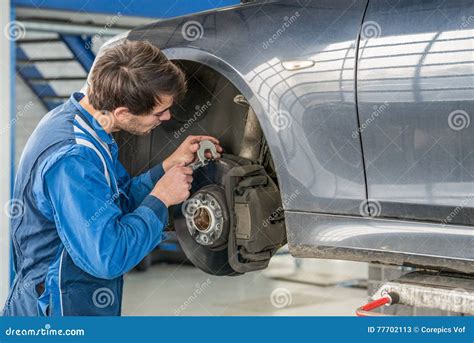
[{"x": 166, "y": 116}]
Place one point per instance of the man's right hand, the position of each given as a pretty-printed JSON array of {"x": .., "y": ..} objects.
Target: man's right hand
[{"x": 173, "y": 187}]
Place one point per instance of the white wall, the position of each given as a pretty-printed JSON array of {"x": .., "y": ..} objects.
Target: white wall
[
  {"x": 5, "y": 101},
  {"x": 30, "y": 110}
]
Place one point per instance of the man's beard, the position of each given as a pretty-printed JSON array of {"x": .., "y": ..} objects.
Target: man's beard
[{"x": 133, "y": 129}]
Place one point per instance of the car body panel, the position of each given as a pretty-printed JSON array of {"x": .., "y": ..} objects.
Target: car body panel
[
  {"x": 313, "y": 122},
  {"x": 387, "y": 241},
  {"x": 416, "y": 93},
  {"x": 299, "y": 111}
]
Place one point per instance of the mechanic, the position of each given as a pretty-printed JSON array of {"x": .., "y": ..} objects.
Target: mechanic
[{"x": 84, "y": 221}]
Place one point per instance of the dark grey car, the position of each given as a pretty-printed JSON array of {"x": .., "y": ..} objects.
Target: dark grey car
[{"x": 346, "y": 125}]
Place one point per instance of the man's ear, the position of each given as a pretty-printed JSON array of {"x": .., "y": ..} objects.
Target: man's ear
[{"x": 122, "y": 114}]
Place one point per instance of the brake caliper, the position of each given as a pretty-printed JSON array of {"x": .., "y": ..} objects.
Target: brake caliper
[{"x": 257, "y": 228}]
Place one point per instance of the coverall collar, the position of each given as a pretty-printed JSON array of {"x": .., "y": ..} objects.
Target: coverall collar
[{"x": 103, "y": 135}]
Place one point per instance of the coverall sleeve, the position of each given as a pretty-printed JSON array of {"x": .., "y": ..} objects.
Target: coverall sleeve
[
  {"x": 99, "y": 238},
  {"x": 138, "y": 187}
]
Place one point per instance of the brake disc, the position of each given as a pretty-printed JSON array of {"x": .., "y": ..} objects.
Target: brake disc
[{"x": 202, "y": 224}]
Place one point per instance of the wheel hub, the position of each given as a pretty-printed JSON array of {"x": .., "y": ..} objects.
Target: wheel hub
[
  {"x": 206, "y": 216},
  {"x": 193, "y": 221}
]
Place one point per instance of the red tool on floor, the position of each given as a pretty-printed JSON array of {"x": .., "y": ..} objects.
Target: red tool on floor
[{"x": 367, "y": 309}]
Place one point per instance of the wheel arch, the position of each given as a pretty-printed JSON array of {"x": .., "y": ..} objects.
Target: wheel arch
[{"x": 238, "y": 80}]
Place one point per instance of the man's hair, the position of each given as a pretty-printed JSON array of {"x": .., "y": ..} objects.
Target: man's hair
[{"x": 134, "y": 74}]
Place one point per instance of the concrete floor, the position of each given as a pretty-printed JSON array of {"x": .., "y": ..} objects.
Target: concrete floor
[{"x": 184, "y": 290}]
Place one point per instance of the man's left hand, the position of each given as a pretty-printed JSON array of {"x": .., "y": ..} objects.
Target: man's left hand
[{"x": 186, "y": 152}]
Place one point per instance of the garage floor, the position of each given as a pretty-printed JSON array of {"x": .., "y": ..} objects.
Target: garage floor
[{"x": 282, "y": 289}]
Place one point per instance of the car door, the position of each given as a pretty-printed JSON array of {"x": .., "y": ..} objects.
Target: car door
[{"x": 415, "y": 91}]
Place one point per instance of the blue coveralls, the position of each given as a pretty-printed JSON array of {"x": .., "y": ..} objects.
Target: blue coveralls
[{"x": 84, "y": 221}]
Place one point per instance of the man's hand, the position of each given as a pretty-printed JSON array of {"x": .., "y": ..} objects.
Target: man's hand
[
  {"x": 186, "y": 152},
  {"x": 173, "y": 187}
]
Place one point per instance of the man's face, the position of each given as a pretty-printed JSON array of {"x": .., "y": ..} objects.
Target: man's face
[{"x": 144, "y": 124}]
